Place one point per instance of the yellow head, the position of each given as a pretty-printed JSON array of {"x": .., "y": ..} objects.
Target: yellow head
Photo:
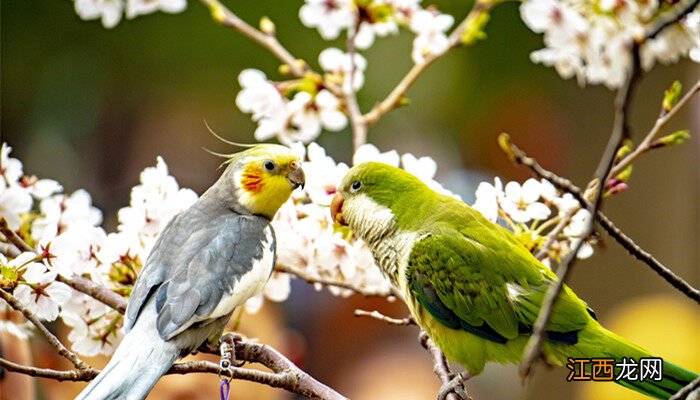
[{"x": 264, "y": 177}]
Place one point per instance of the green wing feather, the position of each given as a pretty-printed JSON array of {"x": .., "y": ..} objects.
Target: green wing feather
[{"x": 460, "y": 272}]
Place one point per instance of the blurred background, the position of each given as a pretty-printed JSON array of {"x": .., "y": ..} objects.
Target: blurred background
[{"x": 92, "y": 107}]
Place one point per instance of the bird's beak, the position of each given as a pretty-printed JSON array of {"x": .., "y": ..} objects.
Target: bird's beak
[
  {"x": 296, "y": 178},
  {"x": 337, "y": 209}
]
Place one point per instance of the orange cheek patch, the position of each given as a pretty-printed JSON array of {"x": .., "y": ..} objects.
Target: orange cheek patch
[{"x": 252, "y": 180}]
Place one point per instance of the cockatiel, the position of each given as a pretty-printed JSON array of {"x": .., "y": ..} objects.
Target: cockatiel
[
  {"x": 469, "y": 283},
  {"x": 208, "y": 260}
]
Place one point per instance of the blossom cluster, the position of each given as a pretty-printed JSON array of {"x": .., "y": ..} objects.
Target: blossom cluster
[
  {"x": 368, "y": 19},
  {"x": 110, "y": 12},
  {"x": 591, "y": 40},
  {"x": 67, "y": 239},
  {"x": 296, "y": 110},
  {"x": 533, "y": 211}
]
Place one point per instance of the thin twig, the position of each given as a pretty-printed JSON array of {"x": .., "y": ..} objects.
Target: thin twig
[
  {"x": 620, "y": 131},
  {"x": 96, "y": 291},
  {"x": 660, "y": 123},
  {"x": 391, "y": 292},
  {"x": 12, "y": 236},
  {"x": 359, "y": 126},
  {"x": 381, "y": 317},
  {"x": 225, "y": 17},
  {"x": 440, "y": 365},
  {"x": 62, "y": 350},
  {"x": 394, "y": 98},
  {"x": 687, "y": 390},
  {"x": 520, "y": 157}
]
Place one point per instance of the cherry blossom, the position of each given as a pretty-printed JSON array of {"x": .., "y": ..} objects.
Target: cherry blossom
[
  {"x": 38, "y": 291},
  {"x": 108, "y": 11},
  {"x": 135, "y": 8},
  {"x": 344, "y": 68},
  {"x": 430, "y": 27},
  {"x": 521, "y": 202},
  {"x": 330, "y": 17}
]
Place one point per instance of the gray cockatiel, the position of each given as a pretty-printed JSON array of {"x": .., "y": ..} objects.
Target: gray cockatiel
[{"x": 209, "y": 260}]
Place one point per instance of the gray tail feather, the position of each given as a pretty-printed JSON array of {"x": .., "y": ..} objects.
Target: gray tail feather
[{"x": 134, "y": 369}]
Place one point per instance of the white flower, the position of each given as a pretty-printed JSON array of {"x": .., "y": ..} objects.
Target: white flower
[
  {"x": 258, "y": 95},
  {"x": 430, "y": 28},
  {"x": 14, "y": 201},
  {"x": 367, "y": 32},
  {"x": 323, "y": 174},
  {"x": 110, "y": 11},
  {"x": 75, "y": 250},
  {"x": 575, "y": 230},
  {"x": 40, "y": 293},
  {"x": 344, "y": 67},
  {"x": 328, "y": 16},
  {"x": 154, "y": 201},
  {"x": 61, "y": 212},
  {"x": 370, "y": 152},
  {"x": 40, "y": 188},
  {"x": 10, "y": 168},
  {"x": 487, "y": 198},
  {"x": 254, "y": 304},
  {"x": 521, "y": 202},
  {"x": 134, "y": 8},
  {"x": 99, "y": 335},
  {"x": 278, "y": 287}
]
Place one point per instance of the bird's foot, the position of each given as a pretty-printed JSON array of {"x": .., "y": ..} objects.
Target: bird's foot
[
  {"x": 227, "y": 343},
  {"x": 455, "y": 386}
]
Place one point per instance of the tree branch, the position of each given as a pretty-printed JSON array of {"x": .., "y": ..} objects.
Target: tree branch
[
  {"x": 473, "y": 21},
  {"x": 12, "y": 236},
  {"x": 389, "y": 320},
  {"x": 620, "y": 131},
  {"x": 225, "y": 17},
  {"x": 342, "y": 285},
  {"x": 62, "y": 350},
  {"x": 687, "y": 390},
  {"x": 293, "y": 380},
  {"x": 660, "y": 123},
  {"x": 520, "y": 157},
  {"x": 441, "y": 367}
]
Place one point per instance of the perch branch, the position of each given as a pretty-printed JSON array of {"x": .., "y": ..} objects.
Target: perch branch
[{"x": 441, "y": 367}]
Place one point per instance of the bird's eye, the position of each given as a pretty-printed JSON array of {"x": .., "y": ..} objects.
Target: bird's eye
[
  {"x": 269, "y": 165},
  {"x": 355, "y": 186}
]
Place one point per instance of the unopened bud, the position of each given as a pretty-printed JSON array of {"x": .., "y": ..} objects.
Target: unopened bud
[{"x": 267, "y": 26}]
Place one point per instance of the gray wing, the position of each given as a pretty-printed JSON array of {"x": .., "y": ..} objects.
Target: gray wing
[{"x": 190, "y": 277}]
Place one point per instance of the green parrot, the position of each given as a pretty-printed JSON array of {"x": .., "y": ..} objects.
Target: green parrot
[
  {"x": 468, "y": 283},
  {"x": 208, "y": 261}
]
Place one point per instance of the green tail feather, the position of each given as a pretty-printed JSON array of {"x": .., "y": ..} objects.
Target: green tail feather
[{"x": 596, "y": 341}]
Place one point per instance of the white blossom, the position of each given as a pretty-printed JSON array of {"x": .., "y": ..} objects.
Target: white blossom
[
  {"x": 330, "y": 17},
  {"x": 592, "y": 40},
  {"x": 346, "y": 68},
  {"x": 135, "y": 8},
  {"x": 59, "y": 213},
  {"x": 430, "y": 27},
  {"x": 10, "y": 168},
  {"x": 109, "y": 11},
  {"x": 14, "y": 201},
  {"x": 521, "y": 202},
  {"x": 38, "y": 291},
  {"x": 487, "y": 199}
]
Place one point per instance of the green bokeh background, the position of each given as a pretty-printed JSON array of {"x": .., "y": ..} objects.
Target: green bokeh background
[{"x": 92, "y": 107}]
